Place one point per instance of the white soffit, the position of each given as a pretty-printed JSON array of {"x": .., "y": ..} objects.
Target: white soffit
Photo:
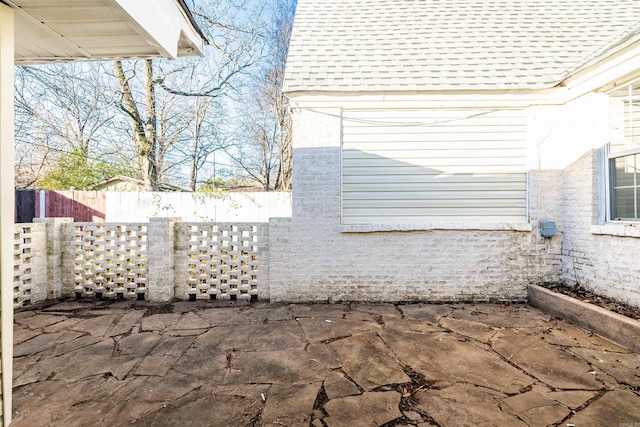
[{"x": 70, "y": 30}]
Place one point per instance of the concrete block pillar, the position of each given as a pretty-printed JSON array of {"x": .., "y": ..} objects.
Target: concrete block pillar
[
  {"x": 54, "y": 233},
  {"x": 161, "y": 259}
]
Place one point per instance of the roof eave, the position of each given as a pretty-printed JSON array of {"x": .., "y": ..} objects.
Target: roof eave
[
  {"x": 173, "y": 39},
  {"x": 608, "y": 71}
]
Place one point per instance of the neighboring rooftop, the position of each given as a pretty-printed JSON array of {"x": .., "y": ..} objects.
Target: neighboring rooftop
[
  {"x": 399, "y": 45},
  {"x": 127, "y": 183}
]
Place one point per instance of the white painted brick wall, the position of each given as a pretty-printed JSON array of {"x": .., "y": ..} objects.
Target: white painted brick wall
[
  {"x": 327, "y": 264},
  {"x": 608, "y": 265}
]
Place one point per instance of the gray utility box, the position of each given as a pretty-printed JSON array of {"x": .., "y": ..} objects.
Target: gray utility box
[{"x": 548, "y": 228}]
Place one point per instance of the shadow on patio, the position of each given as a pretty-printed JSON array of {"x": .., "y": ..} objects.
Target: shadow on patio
[{"x": 227, "y": 364}]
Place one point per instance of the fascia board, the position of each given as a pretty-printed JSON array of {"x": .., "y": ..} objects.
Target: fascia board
[{"x": 162, "y": 28}]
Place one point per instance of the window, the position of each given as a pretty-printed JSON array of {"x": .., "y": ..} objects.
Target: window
[{"x": 624, "y": 152}]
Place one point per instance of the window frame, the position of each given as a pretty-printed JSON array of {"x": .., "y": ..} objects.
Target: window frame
[{"x": 611, "y": 157}]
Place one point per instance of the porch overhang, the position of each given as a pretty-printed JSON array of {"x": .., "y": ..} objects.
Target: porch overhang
[
  {"x": 59, "y": 30},
  {"x": 42, "y": 31}
]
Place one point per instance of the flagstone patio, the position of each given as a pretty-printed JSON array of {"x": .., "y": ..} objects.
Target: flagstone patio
[{"x": 237, "y": 363}]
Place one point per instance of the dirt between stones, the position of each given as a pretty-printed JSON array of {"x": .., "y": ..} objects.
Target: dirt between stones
[{"x": 580, "y": 293}]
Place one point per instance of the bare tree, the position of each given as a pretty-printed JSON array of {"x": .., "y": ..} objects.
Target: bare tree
[
  {"x": 143, "y": 122},
  {"x": 158, "y": 104},
  {"x": 61, "y": 110},
  {"x": 266, "y": 156},
  {"x": 164, "y": 119}
]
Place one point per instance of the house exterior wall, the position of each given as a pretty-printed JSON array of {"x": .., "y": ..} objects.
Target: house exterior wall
[
  {"x": 329, "y": 262},
  {"x": 602, "y": 258},
  {"x": 598, "y": 255}
]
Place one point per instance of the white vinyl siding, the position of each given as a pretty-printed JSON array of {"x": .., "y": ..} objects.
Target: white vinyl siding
[{"x": 433, "y": 166}]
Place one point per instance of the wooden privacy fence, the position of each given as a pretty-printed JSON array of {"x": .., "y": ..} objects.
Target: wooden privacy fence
[
  {"x": 113, "y": 206},
  {"x": 82, "y": 206}
]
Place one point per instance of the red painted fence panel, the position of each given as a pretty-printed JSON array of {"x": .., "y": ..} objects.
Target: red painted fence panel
[{"x": 82, "y": 206}]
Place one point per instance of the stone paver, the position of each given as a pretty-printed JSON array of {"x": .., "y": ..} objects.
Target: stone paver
[
  {"x": 238, "y": 363},
  {"x": 138, "y": 344},
  {"x": 319, "y": 311},
  {"x": 125, "y": 323},
  {"x": 369, "y": 362},
  {"x": 535, "y": 409},
  {"x": 164, "y": 355},
  {"x": 554, "y": 366},
  {"x": 431, "y": 313},
  {"x": 615, "y": 408},
  {"x": 203, "y": 362},
  {"x": 572, "y": 399},
  {"x": 336, "y": 386},
  {"x": 278, "y": 313},
  {"x": 464, "y": 405},
  {"x": 158, "y": 322},
  {"x": 21, "y": 334},
  {"x": 502, "y": 316},
  {"x": 190, "y": 321},
  {"x": 380, "y": 408},
  {"x": 41, "y": 321},
  {"x": 65, "y": 325},
  {"x": 227, "y": 338},
  {"x": 222, "y": 406},
  {"x": 325, "y": 328},
  {"x": 386, "y": 311},
  {"x": 73, "y": 345},
  {"x": 623, "y": 367},
  {"x": 442, "y": 357},
  {"x": 276, "y": 336},
  {"x": 290, "y": 404},
  {"x": 96, "y": 326},
  {"x": 293, "y": 366},
  {"x": 565, "y": 334},
  {"x": 39, "y": 404},
  {"x": 475, "y": 330},
  {"x": 324, "y": 356},
  {"x": 36, "y": 344}
]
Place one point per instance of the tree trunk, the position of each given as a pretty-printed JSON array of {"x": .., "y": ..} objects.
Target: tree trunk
[
  {"x": 144, "y": 130},
  {"x": 151, "y": 146}
]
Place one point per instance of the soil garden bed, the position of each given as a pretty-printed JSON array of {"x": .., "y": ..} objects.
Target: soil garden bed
[{"x": 584, "y": 295}]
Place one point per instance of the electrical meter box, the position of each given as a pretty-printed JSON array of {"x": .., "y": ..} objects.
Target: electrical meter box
[{"x": 547, "y": 228}]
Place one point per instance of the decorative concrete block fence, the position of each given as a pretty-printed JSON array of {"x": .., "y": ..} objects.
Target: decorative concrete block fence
[
  {"x": 29, "y": 264},
  {"x": 158, "y": 261}
]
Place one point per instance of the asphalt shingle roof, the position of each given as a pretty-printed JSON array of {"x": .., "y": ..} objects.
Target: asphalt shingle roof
[{"x": 399, "y": 45}]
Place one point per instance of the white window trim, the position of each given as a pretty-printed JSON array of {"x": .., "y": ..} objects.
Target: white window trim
[
  {"x": 606, "y": 224},
  {"x": 617, "y": 228},
  {"x": 609, "y": 180},
  {"x": 468, "y": 226}
]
